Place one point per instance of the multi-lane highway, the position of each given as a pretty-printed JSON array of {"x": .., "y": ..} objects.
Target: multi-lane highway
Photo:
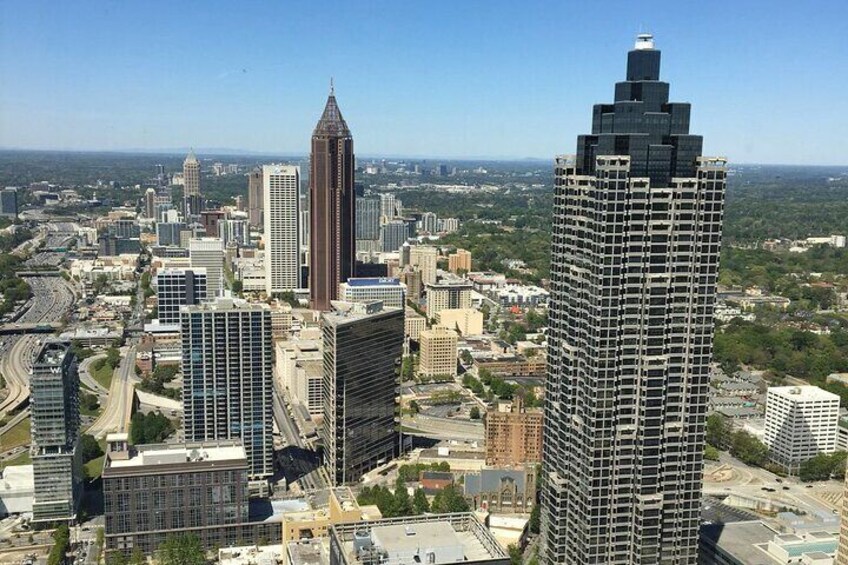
[
  {"x": 116, "y": 414},
  {"x": 52, "y": 299}
]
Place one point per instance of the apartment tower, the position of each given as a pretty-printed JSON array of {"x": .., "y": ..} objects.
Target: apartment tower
[
  {"x": 227, "y": 355},
  {"x": 332, "y": 207},
  {"x": 191, "y": 187},
  {"x": 635, "y": 249},
  {"x": 255, "y": 198},
  {"x": 282, "y": 233}
]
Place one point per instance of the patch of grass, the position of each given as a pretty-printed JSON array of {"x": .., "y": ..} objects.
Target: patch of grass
[
  {"x": 93, "y": 468},
  {"x": 102, "y": 374},
  {"x": 20, "y": 434},
  {"x": 20, "y": 459}
]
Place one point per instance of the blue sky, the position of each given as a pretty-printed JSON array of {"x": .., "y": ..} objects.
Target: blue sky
[{"x": 767, "y": 80}]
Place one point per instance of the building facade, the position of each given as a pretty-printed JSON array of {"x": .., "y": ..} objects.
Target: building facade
[
  {"x": 438, "y": 352},
  {"x": 460, "y": 261},
  {"x": 447, "y": 295},
  {"x": 361, "y": 344},
  {"x": 424, "y": 259},
  {"x": 332, "y": 207},
  {"x": 391, "y": 292},
  {"x": 208, "y": 253},
  {"x": 56, "y": 456},
  {"x": 367, "y": 219},
  {"x": 9, "y": 202},
  {"x": 393, "y": 234},
  {"x": 255, "y": 198},
  {"x": 227, "y": 357},
  {"x": 801, "y": 422},
  {"x": 282, "y": 233},
  {"x": 193, "y": 202},
  {"x": 635, "y": 247},
  {"x": 151, "y": 492},
  {"x": 513, "y": 435},
  {"x": 176, "y": 288}
]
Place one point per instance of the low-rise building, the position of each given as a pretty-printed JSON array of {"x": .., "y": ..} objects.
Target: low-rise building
[
  {"x": 511, "y": 491},
  {"x": 435, "y": 539},
  {"x": 466, "y": 321},
  {"x": 390, "y": 291}
]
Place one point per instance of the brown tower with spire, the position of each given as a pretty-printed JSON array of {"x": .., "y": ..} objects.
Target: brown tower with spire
[{"x": 332, "y": 249}]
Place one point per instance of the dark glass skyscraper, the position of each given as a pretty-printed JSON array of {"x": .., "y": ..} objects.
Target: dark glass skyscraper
[
  {"x": 332, "y": 208},
  {"x": 635, "y": 248}
]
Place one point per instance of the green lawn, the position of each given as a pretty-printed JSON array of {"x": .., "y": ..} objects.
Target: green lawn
[
  {"x": 102, "y": 375},
  {"x": 18, "y": 435},
  {"x": 93, "y": 468},
  {"x": 21, "y": 459}
]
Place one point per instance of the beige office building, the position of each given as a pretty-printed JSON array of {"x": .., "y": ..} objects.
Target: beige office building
[
  {"x": 447, "y": 295},
  {"x": 459, "y": 261},
  {"x": 423, "y": 258},
  {"x": 466, "y": 321},
  {"x": 438, "y": 352},
  {"x": 413, "y": 324}
]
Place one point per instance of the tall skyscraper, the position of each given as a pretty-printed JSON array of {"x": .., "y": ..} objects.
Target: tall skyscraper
[
  {"x": 393, "y": 234},
  {"x": 208, "y": 253},
  {"x": 56, "y": 456},
  {"x": 362, "y": 342},
  {"x": 368, "y": 219},
  {"x": 150, "y": 203},
  {"x": 227, "y": 355},
  {"x": 388, "y": 207},
  {"x": 191, "y": 186},
  {"x": 176, "y": 288},
  {"x": 332, "y": 207},
  {"x": 282, "y": 233},
  {"x": 635, "y": 248},
  {"x": 255, "y": 198}
]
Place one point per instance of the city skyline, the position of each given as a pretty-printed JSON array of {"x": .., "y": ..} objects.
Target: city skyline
[{"x": 449, "y": 101}]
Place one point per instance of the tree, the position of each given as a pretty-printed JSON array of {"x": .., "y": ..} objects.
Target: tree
[
  {"x": 516, "y": 556},
  {"x": 90, "y": 448},
  {"x": 718, "y": 430},
  {"x": 113, "y": 357},
  {"x": 475, "y": 413},
  {"x": 181, "y": 550},
  {"x": 822, "y": 467},
  {"x": 420, "y": 504},
  {"x": 449, "y": 500},
  {"x": 748, "y": 449},
  {"x": 711, "y": 453},
  {"x": 61, "y": 543},
  {"x": 535, "y": 516},
  {"x": 414, "y": 407}
]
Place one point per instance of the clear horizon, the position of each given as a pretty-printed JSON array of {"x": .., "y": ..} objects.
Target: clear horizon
[{"x": 441, "y": 80}]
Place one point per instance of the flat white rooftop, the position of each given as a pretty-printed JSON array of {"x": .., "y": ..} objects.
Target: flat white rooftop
[
  {"x": 802, "y": 393},
  {"x": 161, "y": 454}
]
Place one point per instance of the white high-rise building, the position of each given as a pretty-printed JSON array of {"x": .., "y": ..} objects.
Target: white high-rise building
[
  {"x": 388, "y": 207},
  {"x": 282, "y": 232},
  {"x": 208, "y": 253},
  {"x": 801, "y": 422}
]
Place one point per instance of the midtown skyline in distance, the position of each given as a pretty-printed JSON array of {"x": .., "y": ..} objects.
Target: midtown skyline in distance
[{"x": 438, "y": 81}]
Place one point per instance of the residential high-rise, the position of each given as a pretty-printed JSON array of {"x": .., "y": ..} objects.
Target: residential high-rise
[
  {"x": 447, "y": 295},
  {"x": 429, "y": 223},
  {"x": 227, "y": 355},
  {"x": 191, "y": 187},
  {"x": 150, "y": 203},
  {"x": 424, "y": 259},
  {"x": 367, "y": 219},
  {"x": 388, "y": 207},
  {"x": 176, "y": 288},
  {"x": 438, "y": 352},
  {"x": 635, "y": 247},
  {"x": 459, "y": 261},
  {"x": 234, "y": 231},
  {"x": 362, "y": 342},
  {"x": 208, "y": 253},
  {"x": 513, "y": 434},
  {"x": 801, "y": 422},
  {"x": 282, "y": 217},
  {"x": 332, "y": 207},
  {"x": 255, "y": 198},
  {"x": 56, "y": 456},
  {"x": 393, "y": 234}
]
